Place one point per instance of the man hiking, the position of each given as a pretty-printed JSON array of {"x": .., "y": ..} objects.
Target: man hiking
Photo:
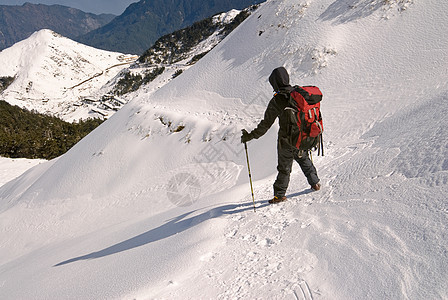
[{"x": 279, "y": 80}]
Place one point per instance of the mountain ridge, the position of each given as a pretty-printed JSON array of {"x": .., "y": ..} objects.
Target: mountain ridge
[
  {"x": 144, "y": 22},
  {"x": 19, "y": 22}
]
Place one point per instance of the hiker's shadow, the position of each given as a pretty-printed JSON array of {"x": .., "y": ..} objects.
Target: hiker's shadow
[
  {"x": 301, "y": 193},
  {"x": 170, "y": 228}
]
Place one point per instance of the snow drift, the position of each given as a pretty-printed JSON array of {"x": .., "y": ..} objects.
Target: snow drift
[{"x": 155, "y": 202}]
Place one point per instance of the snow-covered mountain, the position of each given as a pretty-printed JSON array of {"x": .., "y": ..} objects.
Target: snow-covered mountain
[
  {"x": 174, "y": 53},
  {"x": 58, "y": 76},
  {"x": 155, "y": 203}
]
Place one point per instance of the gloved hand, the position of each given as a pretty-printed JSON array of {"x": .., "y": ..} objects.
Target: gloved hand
[{"x": 246, "y": 136}]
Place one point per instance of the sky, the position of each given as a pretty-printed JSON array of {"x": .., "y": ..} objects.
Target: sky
[{"x": 116, "y": 7}]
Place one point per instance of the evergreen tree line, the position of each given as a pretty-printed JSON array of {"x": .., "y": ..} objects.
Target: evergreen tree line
[
  {"x": 28, "y": 134},
  {"x": 132, "y": 82},
  {"x": 173, "y": 47}
]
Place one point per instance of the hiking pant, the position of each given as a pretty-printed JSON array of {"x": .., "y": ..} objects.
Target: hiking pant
[{"x": 286, "y": 155}]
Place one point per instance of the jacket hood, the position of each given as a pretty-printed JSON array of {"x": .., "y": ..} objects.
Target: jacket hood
[{"x": 279, "y": 79}]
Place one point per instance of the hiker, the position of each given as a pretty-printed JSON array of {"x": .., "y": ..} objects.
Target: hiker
[{"x": 279, "y": 80}]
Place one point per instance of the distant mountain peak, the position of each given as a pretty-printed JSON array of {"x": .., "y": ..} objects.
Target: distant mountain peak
[{"x": 52, "y": 72}]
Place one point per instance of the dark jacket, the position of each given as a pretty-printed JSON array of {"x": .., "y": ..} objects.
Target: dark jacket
[{"x": 279, "y": 81}]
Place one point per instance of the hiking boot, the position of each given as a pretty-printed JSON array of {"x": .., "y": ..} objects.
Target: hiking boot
[
  {"x": 277, "y": 199},
  {"x": 316, "y": 187}
]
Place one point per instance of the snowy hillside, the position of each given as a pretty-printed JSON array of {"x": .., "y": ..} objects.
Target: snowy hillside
[
  {"x": 155, "y": 203},
  {"x": 54, "y": 74}
]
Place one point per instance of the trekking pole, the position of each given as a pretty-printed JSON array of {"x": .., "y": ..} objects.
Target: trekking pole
[
  {"x": 250, "y": 175},
  {"x": 322, "y": 143}
]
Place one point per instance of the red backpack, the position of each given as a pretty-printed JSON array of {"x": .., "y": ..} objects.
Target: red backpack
[{"x": 304, "y": 119}]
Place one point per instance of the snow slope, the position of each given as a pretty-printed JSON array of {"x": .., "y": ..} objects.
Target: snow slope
[
  {"x": 155, "y": 203},
  {"x": 53, "y": 72}
]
